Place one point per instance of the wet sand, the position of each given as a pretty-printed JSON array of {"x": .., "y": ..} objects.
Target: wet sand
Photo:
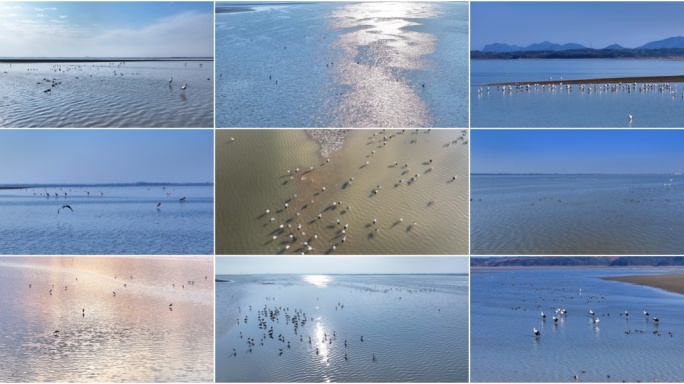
[
  {"x": 672, "y": 283},
  {"x": 612, "y": 80}
]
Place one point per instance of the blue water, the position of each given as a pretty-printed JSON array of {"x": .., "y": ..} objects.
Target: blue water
[
  {"x": 561, "y": 108},
  {"x": 507, "y": 304},
  {"x": 416, "y": 326},
  {"x": 121, "y": 220},
  {"x": 131, "y": 95},
  {"x": 576, "y": 214},
  {"x": 343, "y": 65}
]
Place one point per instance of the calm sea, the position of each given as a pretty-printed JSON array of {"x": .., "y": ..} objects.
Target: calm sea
[
  {"x": 133, "y": 95},
  {"x": 426, "y": 216},
  {"x": 577, "y": 214},
  {"x": 113, "y": 317},
  {"x": 110, "y": 220},
  {"x": 506, "y": 305},
  {"x": 416, "y": 326},
  {"x": 651, "y": 108},
  {"x": 343, "y": 65}
]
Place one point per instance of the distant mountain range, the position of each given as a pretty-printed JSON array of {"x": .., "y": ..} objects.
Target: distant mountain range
[
  {"x": 669, "y": 43},
  {"x": 577, "y": 261}
]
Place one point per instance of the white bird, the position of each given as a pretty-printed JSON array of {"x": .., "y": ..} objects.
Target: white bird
[
  {"x": 630, "y": 118},
  {"x": 543, "y": 315},
  {"x": 170, "y": 80},
  {"x": 536, "y": 332},
  {"x": 591, "y": 312},
  {"x": 184, "y": 87}
]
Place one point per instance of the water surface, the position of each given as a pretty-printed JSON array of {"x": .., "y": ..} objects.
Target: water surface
[
  {"x": 576, "y": 214},
  {"x": 507, "y": 304},
  {"x": 257, "y": 171},
  {"x": 602, "y": 107},
  {"x": 343, "y": 65},
  {"x": 107, "y": 220},
  {"x": 416, "y": 326},
  {"x": 114, "y": 319},
  {"x": 107, "y": 94}
]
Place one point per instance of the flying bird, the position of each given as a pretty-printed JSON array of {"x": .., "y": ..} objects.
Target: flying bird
[{"x": 64, "y": 206}]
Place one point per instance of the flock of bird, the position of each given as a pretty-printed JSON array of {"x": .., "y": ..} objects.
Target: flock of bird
[
  {"x": 78, "y": 68},
  {"x": 667, "y": 89},
  {"x": 68, "y": 206},
  {"x": 310, "y": 222},
  {"x": 55, "y": 291}
]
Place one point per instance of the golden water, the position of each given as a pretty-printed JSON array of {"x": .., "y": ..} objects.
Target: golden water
[{"x": 425, "y": 216}]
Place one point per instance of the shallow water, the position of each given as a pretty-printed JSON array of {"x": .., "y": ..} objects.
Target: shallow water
[
  {"x": 123, "y": 220},
  {"x": 537, "y": 108},
  {"x": 132, "y": 336},
  {"x": 134, "y": 94},
  {"x": 343, "y": 65},
  {"x": 426, "y": 216},
  {"x": 576, "y": 214},
  {"x": 416, "y": 325},
  {"x": 506, "y": 305}
]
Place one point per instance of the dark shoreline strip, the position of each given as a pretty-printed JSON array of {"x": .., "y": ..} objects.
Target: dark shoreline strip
[
  {"x": 670, "y": 283},
  {"x": 100, "y": 60},
  {"x": 611, "y": 80}
]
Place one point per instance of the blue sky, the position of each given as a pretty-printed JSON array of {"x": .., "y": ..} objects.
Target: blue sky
[
  {"x": 106, "y": 156},
  {"x": 598, "y": 24},
  {"x": 339, "y": 265},
  {"x": 577, "y": 151},
  {"x": 106, "y": 29}
]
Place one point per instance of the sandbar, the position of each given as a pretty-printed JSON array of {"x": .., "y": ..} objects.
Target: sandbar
[
  {"x": 611, "y": 80},
  {"x": 671, "y": 283}
]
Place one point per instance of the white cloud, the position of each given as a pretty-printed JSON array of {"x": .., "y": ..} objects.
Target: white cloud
[
  {"x": 185, "y": 34},
  {"x": 63, "y": 17}
]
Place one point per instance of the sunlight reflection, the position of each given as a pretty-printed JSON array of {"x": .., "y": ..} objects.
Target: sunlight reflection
[
  {"x": 321, "y": 281},
  {"x": 378, "y": 50},
  {"x": 322, "y": 343}
]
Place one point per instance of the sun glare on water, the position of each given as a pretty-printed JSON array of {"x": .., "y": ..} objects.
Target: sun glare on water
[{"x": 321, "y": 281}]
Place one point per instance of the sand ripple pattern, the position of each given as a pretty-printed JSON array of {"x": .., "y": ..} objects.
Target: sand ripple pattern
[
  {"x": 136, "y": 95},
  {"x": 421, "y": 208}
]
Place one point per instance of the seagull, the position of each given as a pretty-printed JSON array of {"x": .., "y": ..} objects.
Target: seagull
[
  {"x": 64, "y": 206},
  {"x": 536, "y": 332},
  {"x": 184, "y": 87},
  {"x": 630, "y": 118},
  {"x": 170, "y": 80}
]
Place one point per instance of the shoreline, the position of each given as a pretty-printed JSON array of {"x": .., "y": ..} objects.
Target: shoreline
[
  {"x": 629, "y": 79},
  {"x": 98, "y": 60},
  {"x": 330, "y": 140},
  {"x": 670, "y": 283}
]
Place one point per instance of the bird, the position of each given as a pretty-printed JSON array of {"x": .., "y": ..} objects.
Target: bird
[
  {"x": 645, "y": 313},
  {"x": 170, "y": 80},
  {"x": 182, "y": 199},
  {"x": 543, "y": 315},
  {"x": 630, "y": 118},
  {"x": 591, "y": 313},
  {"x": 184, "y": 87},
  {"x": 536, "y": 332},
  {"x": 158, "y": 204},
  {"x": 64, "y": 206},
  {"x": 656, "y": 319},
  {"x": 596, "y": 320}
]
